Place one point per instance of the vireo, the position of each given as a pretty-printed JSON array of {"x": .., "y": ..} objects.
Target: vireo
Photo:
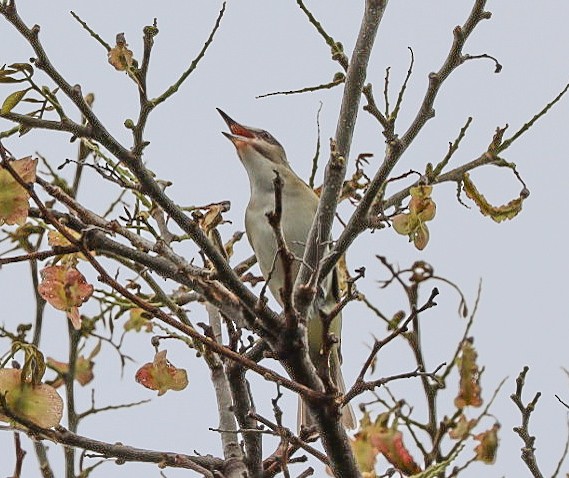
[{"x": 262, "y": 155}]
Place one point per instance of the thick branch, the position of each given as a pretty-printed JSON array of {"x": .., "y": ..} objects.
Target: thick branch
[
  {"x": 105, "y": 278},
  {"x": 396, "y": 147},
  {"x": 334, "y": 436},
  {"x": 336, "y": 168},
  {"x": 231, "y": 449},
  {"x": 243, "y": 405},
  {"x": 125, "y": 453}
]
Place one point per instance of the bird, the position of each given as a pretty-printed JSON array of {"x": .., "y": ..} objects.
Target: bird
[{"x": 263, "y": 157}]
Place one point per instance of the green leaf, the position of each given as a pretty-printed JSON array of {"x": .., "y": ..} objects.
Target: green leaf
[
  {"x": 9, "y": 79},
  {"x": 5, "y": 76},
  {"x": 12, "y": 100},
  {"x": 29, "y": 69}
]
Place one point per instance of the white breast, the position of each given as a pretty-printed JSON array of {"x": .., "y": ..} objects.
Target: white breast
[{"x": 299, "y": 207}]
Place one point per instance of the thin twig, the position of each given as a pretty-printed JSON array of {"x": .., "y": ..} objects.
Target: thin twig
[
  {"x": 360, "y": 384},
  {"x": 193, "y": 65},
  {"x": 563, "y": 454},
  {"x": 93, "y": 410},
  {"x": 40, "y": 255},
  {"x": 507, "y": 142},
  {"x": 292, "y": 438},
  {"x": 452, "y": 363},
  {"x": 122, "y": 453},
  {"x": 317, "y": 152},
  {"x": 307, "y": 89},
  {"x": 404, "y": 86},
  {"x": 528, "y": 450},
  {"x": 20, "y": 455},
  {"x": 335, "y": 47},
  {"x": 106, "y": 46}
]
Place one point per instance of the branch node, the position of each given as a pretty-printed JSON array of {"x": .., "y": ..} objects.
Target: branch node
[
  {"x": 458, "y": 33},
  {"x": 77, "y": 91}
]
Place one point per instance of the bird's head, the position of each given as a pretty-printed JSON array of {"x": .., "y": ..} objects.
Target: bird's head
[{"x": 254, "y": 144}]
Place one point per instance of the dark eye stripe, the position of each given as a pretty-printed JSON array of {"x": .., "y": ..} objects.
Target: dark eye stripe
[{"x": 268, "y": 137}]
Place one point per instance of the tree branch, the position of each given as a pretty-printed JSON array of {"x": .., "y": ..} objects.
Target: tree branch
[
  {"x": 335, "y": 172},
  {"x": 334, "y": 437},
  {"x": 105, "y": 278},
  {"x": 395, "y": 148},
  {"x": 205, "y": 465},
  {"x": 231, "y": 449},
  {"x": 528, "y": 450}
]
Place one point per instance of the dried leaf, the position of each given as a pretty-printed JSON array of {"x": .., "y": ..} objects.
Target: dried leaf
[
  {"x": 401, "y": 224},
  {"x": 138, "y": 320},
  {"x": 378, "y": 437},
  {"x": 358, "y": 182},
  {"x": 229, "y": 245},
  {"x": 421, "y": 237},
  {"x": 470, "y": 390},
  {"x": 421, "y": 203},
  {"x": 497, "y": 139},
  {"x": 462, "y": 428},
  {"x": 161, "y": 375},
  {"x": 65, "y": 288},
  {"x": 364, "y": 452},
  {"x": 488, "y": 447},
  {"x": 497, "y": 213},
  {"x": 389, "y": 442},
  {"x": 39, "y": 404},
  {"x": 13, "y": 197},
  {"x": 421, "y": 209},
  {"x": 120, "y": 56},
  {"x": 9, "y": 79},
  {"x": 212, "y": 218},
  {"x": 55, "y": 238},
  {"x": 83, "y": 370},
  {"x": 7, "y": 72},
  {"x": 34, "y": 366}
]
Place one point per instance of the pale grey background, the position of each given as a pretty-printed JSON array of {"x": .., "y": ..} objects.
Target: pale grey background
[{"x": 269, "y": 46}]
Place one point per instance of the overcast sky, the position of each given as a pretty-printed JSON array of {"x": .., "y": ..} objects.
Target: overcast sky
[{"x": 269, "y": 46}]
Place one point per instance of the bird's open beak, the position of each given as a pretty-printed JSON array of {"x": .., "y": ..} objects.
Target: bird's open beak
[{"x": 239, "y": 133}]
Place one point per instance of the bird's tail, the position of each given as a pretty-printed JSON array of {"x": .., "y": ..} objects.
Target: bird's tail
[{"x": 348, "y": 415}]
